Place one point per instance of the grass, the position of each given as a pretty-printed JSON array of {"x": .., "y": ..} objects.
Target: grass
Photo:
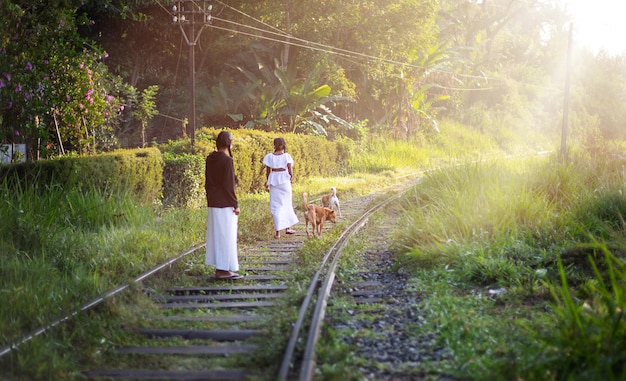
[
  {"x": 522, "y": 225},
  {"x": 61, "y": 249}
]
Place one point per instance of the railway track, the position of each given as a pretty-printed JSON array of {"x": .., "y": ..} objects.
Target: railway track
[{"x": 201, "y": 328}]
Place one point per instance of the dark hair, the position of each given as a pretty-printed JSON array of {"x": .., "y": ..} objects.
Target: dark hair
[
  {"x": 279, "y": 143},
  {"x": 224, "y": 139}
]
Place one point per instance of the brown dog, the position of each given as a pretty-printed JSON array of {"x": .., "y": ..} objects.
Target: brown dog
[{"x": 316, "y": 215}]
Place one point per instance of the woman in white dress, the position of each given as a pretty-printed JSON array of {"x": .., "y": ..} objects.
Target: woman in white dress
[
  {"x": 223, "y": 209},
  {"x": 279, "y": 174}
]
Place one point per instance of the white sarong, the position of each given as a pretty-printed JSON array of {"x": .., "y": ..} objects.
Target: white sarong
[
  {"x": 281, "y": 206},
  {"x": 221, "y": 239}
]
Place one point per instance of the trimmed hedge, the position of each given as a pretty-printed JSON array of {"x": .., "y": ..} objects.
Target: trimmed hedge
[
  {"x": 138, "y": 171},
  {"x": 313, "y": 156},
  {"x": 176, "y": 176},
  {"x": 183, "y": 180}
]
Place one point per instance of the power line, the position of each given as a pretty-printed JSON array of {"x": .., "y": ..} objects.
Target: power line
[
  {"x": 348, "y": 54},
  {"x": 303, "y": 43}
]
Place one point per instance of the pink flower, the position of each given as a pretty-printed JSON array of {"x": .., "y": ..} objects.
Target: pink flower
[
  {"x": 18, "y": 88},
  {"x": 29, "y": 66},
  {"x": 1, "y": 83}
]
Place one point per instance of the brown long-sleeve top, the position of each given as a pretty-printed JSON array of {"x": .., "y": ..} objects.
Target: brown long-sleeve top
[{"x": 220, "y": 181}]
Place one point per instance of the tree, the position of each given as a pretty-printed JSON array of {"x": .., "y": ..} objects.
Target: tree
[
  {"x": 598, "y": 91},
  {"x": 304, "y": 106},
  {"x": 54, "y": 89},
  {"x": 145, "y": 109},
  {"x": 260, "y": 94}
]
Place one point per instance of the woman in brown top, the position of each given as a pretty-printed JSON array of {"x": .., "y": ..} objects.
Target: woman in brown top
[{"x": 223, "y": 209}]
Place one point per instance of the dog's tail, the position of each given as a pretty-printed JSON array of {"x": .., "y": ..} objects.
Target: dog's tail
[{"x": 305, "y": 200}]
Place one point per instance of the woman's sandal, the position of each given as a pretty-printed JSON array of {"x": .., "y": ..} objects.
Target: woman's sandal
[
  {"x": 230, "y": 275},
  {"x": 290, "y": 231}
]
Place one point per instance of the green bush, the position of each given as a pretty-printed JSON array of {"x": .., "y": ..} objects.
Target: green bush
[
  {"x": 139, "y": 172},
  {"x": 183, "y": 180},
  {"x": 184, "y": 176}
]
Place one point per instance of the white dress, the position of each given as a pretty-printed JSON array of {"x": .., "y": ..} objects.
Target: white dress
[
  {"x": 281, "y": 205},
  {"x": 222, "y": 238}
]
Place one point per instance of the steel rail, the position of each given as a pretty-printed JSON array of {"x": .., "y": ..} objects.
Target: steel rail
[
  {"x": 308, "y": 366},
  {"x": 289, "y": 351},
  {"x": 308, "y": 363},
  {"x": 7, "y": 349},
  {"x": 306, "y": 306}
]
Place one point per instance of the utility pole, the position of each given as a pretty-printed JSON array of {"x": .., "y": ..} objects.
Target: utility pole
[
  {"x": 187, "y": 15},
  {"x": 566, "y": 97}
]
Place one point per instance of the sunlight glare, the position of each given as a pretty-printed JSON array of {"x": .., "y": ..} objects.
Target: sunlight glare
[{"x": 598, "y": 25}]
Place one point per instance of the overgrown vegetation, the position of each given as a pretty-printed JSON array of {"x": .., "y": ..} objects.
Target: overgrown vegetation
[
  {"x": 63, "y": 248},
  {"x": 520, "y": 265},
  {"x": 82, "y": 76},
  {"x": 525, "y": 257}
]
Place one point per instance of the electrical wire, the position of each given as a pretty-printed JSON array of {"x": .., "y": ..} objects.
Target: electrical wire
[
  {"x": 324, "y": 48},
  {"x": 314, "y": 45}
]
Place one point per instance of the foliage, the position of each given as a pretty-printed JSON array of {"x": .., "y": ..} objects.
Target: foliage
[
  {"x": 136, "y": 172},
  {"x": 183, "y": 180},
  {"x": 145, "y": 108},
  {"x": 588, "y": 342},
  {"x": 598, "y": 101},
  {"x": 256, "y": 96},
  {"x": 491, "y": 240},
  {"x": 401, "y": 66},
  {"x": 304, "y": 107},
  {"x": 56, "y": 93}
]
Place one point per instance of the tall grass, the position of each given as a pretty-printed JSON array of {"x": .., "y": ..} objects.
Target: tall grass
[
  {"x": 588, "y": 344},
  {"x": 504, "y": 246},
  {"x": 60, "y": 248},
  {"x": 377, "y": 155},
  {"x": 472, "y": 202}
]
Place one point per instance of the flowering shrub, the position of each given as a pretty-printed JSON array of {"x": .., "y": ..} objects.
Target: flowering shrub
[
  {"x": 82, "y": 102},
  {"x": 56, "y": 95}
]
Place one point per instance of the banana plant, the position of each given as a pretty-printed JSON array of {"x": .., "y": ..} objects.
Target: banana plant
[
  {"x": 305, "y": 106},
  {"x": 263, "y": 95}
]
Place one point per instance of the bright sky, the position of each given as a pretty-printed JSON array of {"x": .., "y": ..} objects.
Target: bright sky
[{"x": 599, "y": 24}]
